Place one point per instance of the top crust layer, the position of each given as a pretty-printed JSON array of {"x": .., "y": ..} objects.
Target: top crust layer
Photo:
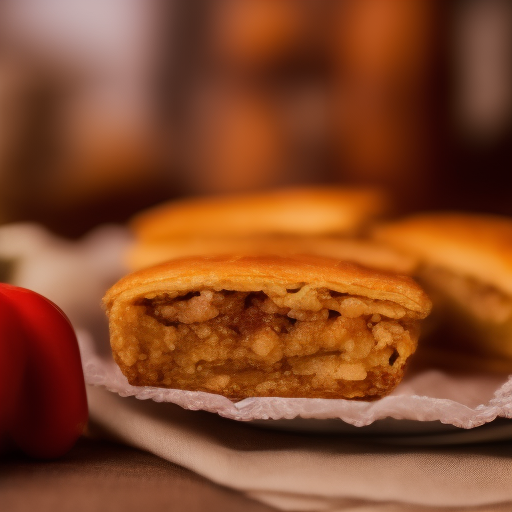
[
  {"x": 294, "y": 211},
  {"x": 478, "y": 246},
  {"x": 269, "y": 273}
]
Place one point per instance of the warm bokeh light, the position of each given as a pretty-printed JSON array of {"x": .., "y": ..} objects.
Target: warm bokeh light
[{"x": 110, "y": 106}]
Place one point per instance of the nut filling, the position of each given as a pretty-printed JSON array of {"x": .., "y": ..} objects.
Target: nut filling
[{"x": 263, "y": 344}]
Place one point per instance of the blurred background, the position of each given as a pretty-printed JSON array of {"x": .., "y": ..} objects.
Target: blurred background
[{"x": 109, "y": 106}]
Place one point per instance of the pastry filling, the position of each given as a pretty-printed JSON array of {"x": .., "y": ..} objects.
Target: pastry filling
[
  {"x": 261, "y": 344},
  {"x": 486, "y": 302}
]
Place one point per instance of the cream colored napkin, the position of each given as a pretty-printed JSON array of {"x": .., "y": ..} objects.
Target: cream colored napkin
[{"x": 300, "y": 472}]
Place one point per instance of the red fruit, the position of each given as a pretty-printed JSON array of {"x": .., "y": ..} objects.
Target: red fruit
[{"x": 43, "y": 404}]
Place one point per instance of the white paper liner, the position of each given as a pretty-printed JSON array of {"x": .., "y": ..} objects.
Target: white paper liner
[
  {"x": 76, "y": 274},
  {"x": 472, "y": 401}
]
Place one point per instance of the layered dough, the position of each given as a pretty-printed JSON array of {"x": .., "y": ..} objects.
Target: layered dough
[
  {"x": 301, "y": 220},
  {"x": 265, "y": 326},
  {"x": 483, "y": 301},
  {"x": 364, "y": 252},
  {"x": 300, "y": 211},
  {"x": 465, "y": 263}
]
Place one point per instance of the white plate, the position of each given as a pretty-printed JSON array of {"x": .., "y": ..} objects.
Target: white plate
[{"x": 392, "y": 431}]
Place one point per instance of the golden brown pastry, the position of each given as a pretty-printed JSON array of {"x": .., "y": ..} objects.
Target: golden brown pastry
[
  {"x": 364, "y": 252},
  {"x": 284, "y": 222},
  {"x": 466, "y": 265},
  {"x": 299, "y": 326},
  {"x": 293, "y": 211}
]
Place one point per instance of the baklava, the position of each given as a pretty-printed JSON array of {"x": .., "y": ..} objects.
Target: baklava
[
  {"x": 314, "y": 220},
  {"x": 247, "y": 326},
  {"x": 466, "y": 267},
  {"x": 364, "y": 252},
  {"x": 291, "y": 211}
]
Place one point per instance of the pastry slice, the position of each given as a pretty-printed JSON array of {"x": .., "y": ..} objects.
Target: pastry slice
[
  {"x": 466, "y": 266},
  {"x": 313, "y": 220},
  {"x": 300, "y": 326},
  {"x": 292, "y": 211},
  {"x": 364, "y": 252}
]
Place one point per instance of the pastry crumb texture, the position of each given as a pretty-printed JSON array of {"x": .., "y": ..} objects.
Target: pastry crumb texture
[{"x": 307, "y": 342}]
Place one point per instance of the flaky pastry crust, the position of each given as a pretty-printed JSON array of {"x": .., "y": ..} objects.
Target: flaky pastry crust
[
  {"x": 250, "y": 273},
  {"x": 478, "y": 246},
  {"x": 292, "y": 211},
  {"x": 368, "y": 253},
  {"x": 465, "y": 263}
]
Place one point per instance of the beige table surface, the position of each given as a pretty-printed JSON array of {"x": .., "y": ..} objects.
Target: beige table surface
[
  {"x": 101, "y": 476},
  {"x": 98, "y": 476}
]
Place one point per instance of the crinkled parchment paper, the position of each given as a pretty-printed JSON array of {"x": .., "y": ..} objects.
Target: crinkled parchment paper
[{"x": 431, "y": 395}]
